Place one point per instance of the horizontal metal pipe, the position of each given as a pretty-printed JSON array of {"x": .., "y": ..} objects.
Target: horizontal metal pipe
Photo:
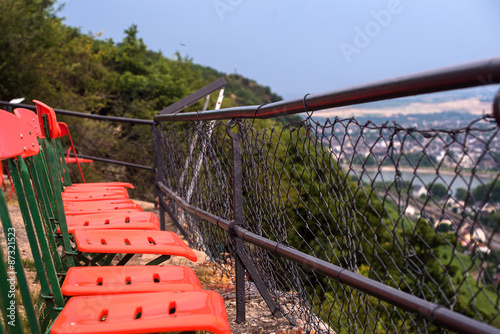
[
  {"x": 83, "y": 115},
  {"x": 116, "y": 162},
  {"x": 432, "y": 312},
  {"x": 105, "y": 118},
  {"x": 461, "y": 76}
]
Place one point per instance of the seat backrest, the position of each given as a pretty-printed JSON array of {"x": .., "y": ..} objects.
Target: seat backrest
[
  {"x": 55, "y": 132},
  {"x": 16, "y": 137},
  {"x": 43, "y": 109},
  {"x": 30, "y": 117}
]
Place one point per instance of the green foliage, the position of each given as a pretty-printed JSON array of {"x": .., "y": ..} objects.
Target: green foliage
[
  {"x": 487, "y": 193},
  {"x": 437, "y": 191},
  {"x": 461, "y": 194},
  {"x": 43, "y": 59},
  {"x": 368, "y": 161},
  {"x": 481, "y": 194}
]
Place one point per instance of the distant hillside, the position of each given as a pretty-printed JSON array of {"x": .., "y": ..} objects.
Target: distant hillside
[
  {"x": 413, "y": 119},
  {"x": 477, "y": 101},
  {"x": 247, "y": 92}
]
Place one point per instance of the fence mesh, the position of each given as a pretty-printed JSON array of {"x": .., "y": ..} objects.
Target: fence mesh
[{"x": 415, "y": 209}]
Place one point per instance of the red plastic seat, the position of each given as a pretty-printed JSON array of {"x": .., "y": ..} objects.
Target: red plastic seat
[
  {"x": 120, "y": 220},
  {"x": 135, "y": 242},
  {"x": 84, "y": 281},
  {"x": 147, "y": 313}
]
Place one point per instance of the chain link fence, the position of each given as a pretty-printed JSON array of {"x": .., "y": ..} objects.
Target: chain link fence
[{"x": 414, "y": 209}]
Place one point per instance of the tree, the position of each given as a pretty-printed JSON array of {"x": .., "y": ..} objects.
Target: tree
[
  {"x": 461, "y": 194},
  {"x": 437, "y": 191},
  {"x": 489, "y": 192}
]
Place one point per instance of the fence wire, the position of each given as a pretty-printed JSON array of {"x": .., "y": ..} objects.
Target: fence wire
[{"x": 415, "y": 209}]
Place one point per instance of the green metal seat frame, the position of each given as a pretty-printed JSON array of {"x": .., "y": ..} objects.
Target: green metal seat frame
[{"x": 51, "y": 270}]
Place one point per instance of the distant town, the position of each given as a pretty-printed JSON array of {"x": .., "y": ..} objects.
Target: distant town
[
  {"x": 464, "y": 142},
  {"x": 454, "y": 150}
]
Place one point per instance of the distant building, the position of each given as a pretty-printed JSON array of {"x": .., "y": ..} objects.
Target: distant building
[
  {"x": 470, "y": 236},
  {"x": 411, "y": 211},
  {"x": 419, "y": 190},
  {"x": 444, "y": 222}
]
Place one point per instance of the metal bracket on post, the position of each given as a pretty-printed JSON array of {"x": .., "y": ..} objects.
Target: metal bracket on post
[{"x": 242, "y": 261}]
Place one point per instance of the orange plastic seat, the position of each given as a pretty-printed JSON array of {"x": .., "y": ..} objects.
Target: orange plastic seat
[
  {"x": 76, "y": 208},
  {"x": 136, "y": 242},
  {"x": 116, "y": 209},
  {"x": 102, "y": 203},
  {"x": 31, "y": 118},
  {"x": 26, "y": 139},
  {"x": 114, "y": 220},
  {"x": 43, "y": 109},
  {"x": 94, "y": 195},
  {"x": 84, "y": 281},
  {"x": 105, "y": 185},
  {"x": 147, "y": 313},
  {"x": 95, "y": 188}
]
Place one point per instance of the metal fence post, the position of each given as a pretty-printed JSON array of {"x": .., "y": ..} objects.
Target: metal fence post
[
  {"x": 242, "y": 261},
  {"x": 237, "y": 220}
]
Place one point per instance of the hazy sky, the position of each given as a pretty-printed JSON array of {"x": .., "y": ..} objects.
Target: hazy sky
[{"x": 298, "y": 47}]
